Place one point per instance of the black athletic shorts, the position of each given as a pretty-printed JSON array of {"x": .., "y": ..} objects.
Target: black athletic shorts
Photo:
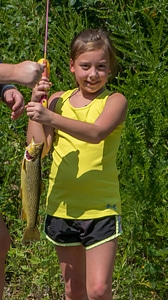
[{"x": 89, "y": 233}]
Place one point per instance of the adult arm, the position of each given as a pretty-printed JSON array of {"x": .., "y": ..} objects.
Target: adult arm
[{"x": 26, "y": 73}]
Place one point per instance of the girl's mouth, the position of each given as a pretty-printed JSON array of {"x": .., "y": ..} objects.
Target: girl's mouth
[{"x": 92, "y": 83}]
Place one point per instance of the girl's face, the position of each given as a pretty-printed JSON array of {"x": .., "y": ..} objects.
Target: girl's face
[{"x": 91, "y": 70}]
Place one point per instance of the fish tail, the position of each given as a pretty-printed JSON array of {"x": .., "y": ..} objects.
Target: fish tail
[{"x": 31, "y": 235}]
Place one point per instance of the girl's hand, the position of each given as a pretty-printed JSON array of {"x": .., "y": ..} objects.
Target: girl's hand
[
  {"x": 36, "y": 112},
  {"x": 41, "y": 89}
]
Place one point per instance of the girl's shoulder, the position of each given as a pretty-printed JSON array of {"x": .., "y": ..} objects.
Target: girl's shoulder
[
  {"x": 56, "y": 96},
  {"x": 116, "y": 96},
  {"x": 53, "y": 99},
  {"x": 117, "y": 103}
]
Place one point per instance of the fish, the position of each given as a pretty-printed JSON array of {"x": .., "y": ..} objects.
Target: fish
[{"x": 31, "y": 189}]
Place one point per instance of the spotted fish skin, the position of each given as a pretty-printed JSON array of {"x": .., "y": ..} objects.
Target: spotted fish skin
[{"x": 31, "y": 188}]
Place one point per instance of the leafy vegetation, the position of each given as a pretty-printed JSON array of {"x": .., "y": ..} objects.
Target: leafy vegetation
[{"x": 140, "y": 32}]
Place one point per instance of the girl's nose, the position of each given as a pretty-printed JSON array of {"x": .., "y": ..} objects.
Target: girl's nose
[{"x": 93, "y": 73}]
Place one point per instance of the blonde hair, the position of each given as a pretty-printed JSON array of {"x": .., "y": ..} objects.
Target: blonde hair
[{"x": 93, "y": 39}]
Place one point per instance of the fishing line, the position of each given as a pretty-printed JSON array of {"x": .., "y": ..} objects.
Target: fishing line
[
  {"x": 43, "y": 60},
  {"x": 46, "y": 30}
]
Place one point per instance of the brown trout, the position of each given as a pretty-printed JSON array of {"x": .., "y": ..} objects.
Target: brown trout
[{"x": 31, "y": 189}]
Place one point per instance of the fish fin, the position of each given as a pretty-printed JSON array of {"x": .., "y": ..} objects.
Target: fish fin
[
  {"x": 20, "y": 193},
  {"x": 23, "y": 215},
  {"x": 24, "y": 163},
  {"x": 31, "y": 235}
]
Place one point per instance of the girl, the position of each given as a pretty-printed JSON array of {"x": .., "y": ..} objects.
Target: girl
[{"x": 83, "y": 203}]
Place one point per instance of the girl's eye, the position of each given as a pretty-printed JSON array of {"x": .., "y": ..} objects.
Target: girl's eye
[
  {"x": 98, "y": 67},
  {"x": 85, "y": 67},
  {"x": 101, "y": 67}
]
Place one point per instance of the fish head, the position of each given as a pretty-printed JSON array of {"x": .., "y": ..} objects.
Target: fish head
[{"x": 33, "y": 150}]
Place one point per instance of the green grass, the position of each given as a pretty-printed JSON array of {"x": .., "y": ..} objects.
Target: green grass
[{"x": 140, "y": 31}]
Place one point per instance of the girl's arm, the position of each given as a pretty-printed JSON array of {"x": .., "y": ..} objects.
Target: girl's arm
[
  {"x": 113, "y": 114},
  {"x": 41, "y": 133}
]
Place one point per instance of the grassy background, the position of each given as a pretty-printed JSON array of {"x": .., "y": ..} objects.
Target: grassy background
[{"x": 140, "y": 32}]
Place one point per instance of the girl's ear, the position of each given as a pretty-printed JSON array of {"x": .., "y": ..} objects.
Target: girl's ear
[{"x": 72, "y": 66}]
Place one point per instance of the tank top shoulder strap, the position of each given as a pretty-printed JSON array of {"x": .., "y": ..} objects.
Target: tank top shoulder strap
[
  {"x": 105, "y": 93},
  {"x": 67, "y": 94}
]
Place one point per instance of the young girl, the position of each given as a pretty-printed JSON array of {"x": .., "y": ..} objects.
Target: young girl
[{"x": 83, "y": 203}]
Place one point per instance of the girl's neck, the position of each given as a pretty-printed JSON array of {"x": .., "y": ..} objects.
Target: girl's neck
[
  {"x": 90, "y": 96},
  {"x": 81, "y": 98}
]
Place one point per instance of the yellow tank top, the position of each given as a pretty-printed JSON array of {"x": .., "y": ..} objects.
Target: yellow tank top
[{"x": 83, "y": 181}]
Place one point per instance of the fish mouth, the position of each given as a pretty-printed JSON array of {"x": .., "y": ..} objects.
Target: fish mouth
[
  {"x": 33, "y": 150},
  {"x": 28, "y": 156}
]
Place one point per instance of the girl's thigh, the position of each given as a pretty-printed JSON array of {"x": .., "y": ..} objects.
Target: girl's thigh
[
  {"x": 100, "y": 263},
  {"x": 72, "y": 262}
]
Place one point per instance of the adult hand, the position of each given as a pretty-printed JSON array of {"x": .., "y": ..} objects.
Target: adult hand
[
  {"x": 15, "y": 101},
  {"x": 29, "y": 73}
]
